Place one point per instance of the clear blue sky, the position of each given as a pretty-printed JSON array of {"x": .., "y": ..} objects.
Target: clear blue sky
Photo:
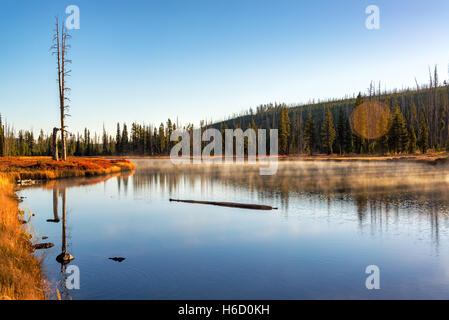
[{"x": 146, "y": 61}]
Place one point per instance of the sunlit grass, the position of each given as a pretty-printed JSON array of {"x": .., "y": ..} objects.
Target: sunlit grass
[
  {"x": 44, "y": 168},
  {"x": 20, "y": 272}
]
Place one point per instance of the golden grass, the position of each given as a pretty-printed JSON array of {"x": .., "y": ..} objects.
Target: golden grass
[
  {"x": 44, "y": 168},
  {"x": 20, "y": 272}
]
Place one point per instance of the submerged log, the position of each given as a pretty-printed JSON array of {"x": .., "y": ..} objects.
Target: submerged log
[{"x": 229, "y": 204}]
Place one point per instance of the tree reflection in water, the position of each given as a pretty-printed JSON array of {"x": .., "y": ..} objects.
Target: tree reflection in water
[{"x": 382, "y": 192}]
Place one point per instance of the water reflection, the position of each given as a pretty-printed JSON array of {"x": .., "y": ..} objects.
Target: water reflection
[
  {"x": 333, "y": 220},
  {"x": 64, "y": 258},
  {"x": 383, "y": 193},
  {"x": 59, "y": 192}
]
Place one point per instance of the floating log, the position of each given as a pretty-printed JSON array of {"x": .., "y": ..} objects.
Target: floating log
[{"x": 229, "y": 204}]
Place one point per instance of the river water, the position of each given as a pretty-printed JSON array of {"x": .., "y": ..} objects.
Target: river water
[{"x": 333, "y": 220}]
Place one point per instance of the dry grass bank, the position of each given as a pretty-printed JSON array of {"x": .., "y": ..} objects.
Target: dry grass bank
[
  {"x": 44, "y": 168},
  {"x": 20, "y": 272}
]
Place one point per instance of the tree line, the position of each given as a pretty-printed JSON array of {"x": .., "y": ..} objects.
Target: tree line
[{"x": 417, "y": 121}]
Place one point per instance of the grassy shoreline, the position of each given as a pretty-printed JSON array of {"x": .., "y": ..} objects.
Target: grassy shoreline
[
  {"x": 20, "y": 272},
  {"x": 430, "y": 158}
]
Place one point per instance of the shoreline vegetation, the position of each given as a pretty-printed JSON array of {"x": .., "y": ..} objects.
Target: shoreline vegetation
[
  {"x": 20, "y": 272},
  {"x": 44, "y": 168},
  {"x": 431, "y": 158},
  {"x": 398, "y": 122}
]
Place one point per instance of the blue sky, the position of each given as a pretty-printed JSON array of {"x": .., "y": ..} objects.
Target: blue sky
[{"x": 146, "y": 61}]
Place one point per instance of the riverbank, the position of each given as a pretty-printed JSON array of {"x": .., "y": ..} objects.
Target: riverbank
[
  {"x": 20, "y": 272},
  {"x": 44, "y": 168},
  {"x": 431, "y": 158}
]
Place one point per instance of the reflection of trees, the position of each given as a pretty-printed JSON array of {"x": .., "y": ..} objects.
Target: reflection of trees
[
  {"x": 123, "y": 179},
  {"x": 64, "y": 257},
  {"x": 55, "y": 205},
  {"x": 59, "y": 190},
  {"x": 375, "y": 188}
]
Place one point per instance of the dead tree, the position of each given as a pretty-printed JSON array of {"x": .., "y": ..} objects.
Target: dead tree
[
  {"x": 55, "y": 144},
  {"x": 60, "y": 47}
]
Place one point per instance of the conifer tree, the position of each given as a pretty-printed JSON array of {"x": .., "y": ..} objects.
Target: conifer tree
[
  {"x": 309, "y": 134},
  {"x": 384, "y": 123},
  {"x": 105, "y": 142},
  {"x": 358, "y": 142},
  {"x": 328, "y": 133},
  {"x": 284, "y": 130},
  {"x": 423, "y": 141},
  {"x": 399, "y": 132},
  {"x": 125, "y": 139},
  {"x": 161, "y": 138},
  {"x": 412, "y": 144},
  {"x": 341, "y": 131},
  {"x": 118, "y": 140},
  {"x": 413, "y": 114},
  {"x": 293, "y": 134}
]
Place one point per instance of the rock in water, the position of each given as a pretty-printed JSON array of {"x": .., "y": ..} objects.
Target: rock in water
[
  {"x": 64, "y": 258},
  {"x": 44, "y": 245},
  {"x": 118, "y": 259}
]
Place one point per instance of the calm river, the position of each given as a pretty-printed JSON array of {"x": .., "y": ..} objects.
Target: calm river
[{"x": 334, "y": 220}]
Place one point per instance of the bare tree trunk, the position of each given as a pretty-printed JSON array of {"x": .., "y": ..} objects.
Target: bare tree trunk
[
  {"x": 60, "y": 46},
  {"x": 62, "y": 97},
  {"x": 55, "y": 144}
]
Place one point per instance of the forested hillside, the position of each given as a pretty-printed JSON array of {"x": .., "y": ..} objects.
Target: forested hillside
[{"x": 416, "y": 121}]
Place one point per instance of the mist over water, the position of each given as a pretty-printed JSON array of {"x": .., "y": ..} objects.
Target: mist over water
[{"x": 334, "y": 219}]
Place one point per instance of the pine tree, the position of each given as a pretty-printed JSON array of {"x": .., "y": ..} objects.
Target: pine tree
[
  {"x": 309, "y": 134},
  {"x": 124, "y": 139},
  {"x": 161, "y": 138},
  {"x": 169, "y": 132},
  {"x": 284, "y": 130},
  {"x": 399, "y": 132},
  {"x": 105, "y": 142},
  {"x": 358, "y": 142},
  {"x": 341, "y": 131},
  {"x": 423, "y": 141},
  {"x": 443, "y": 124},
  {"x": 412, "y": 145},
  {"x": 413, "y": 115},
  {"x": 328, "y": 133},
  {"x": 118, "y": 140}
]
